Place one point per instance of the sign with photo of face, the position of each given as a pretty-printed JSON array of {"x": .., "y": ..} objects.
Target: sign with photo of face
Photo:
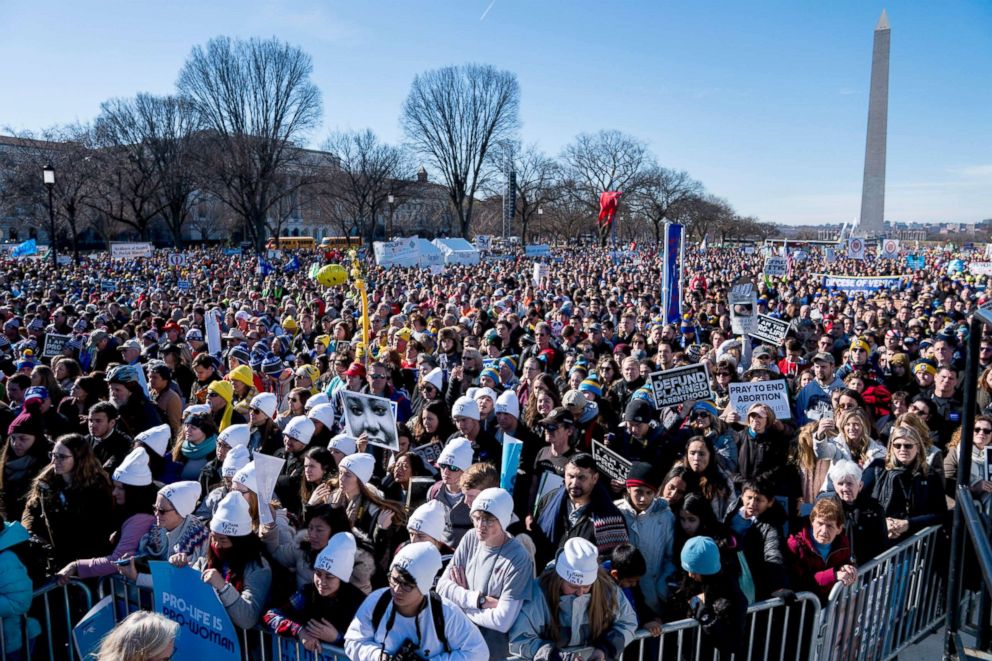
[
  {"x": 743, "y": 303},
  {"x": 372, "y": 416}
]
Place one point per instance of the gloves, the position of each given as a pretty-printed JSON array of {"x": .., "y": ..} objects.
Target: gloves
[{"x": 788, "y": 596}]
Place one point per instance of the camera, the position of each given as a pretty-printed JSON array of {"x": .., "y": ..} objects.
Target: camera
[{"x": 408, "y": 652}]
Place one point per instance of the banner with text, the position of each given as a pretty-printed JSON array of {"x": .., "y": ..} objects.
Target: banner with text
[
  {"x": 54, "y": 344},
  {"x": 205, "y": 629},
  {"x": 774, "y": 394},
  {"x": 609, "y": 462},
  {"x": 769, "y": 329},
  {"x": 130, "y": 250},
  {"x": 681, "y": 384},
  {"x": 857, "y": 285}
]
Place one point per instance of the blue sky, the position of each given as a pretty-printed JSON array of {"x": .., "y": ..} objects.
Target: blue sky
[{"x": 764, "y": 102}]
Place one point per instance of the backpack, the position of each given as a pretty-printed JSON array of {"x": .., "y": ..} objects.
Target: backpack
[{"x": 437, "y": 614}]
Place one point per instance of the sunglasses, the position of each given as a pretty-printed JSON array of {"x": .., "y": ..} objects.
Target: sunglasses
[
  {"x": 903, "y": 446},
  {"x": 449, "y": 467},
  {"x": 700, "y": 415},
  {"x": 550, "y": 429},
  {"x": 983, "y": 430}
]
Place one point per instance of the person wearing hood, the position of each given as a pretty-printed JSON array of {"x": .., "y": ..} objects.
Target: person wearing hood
[
  {"x": 408, "y": 615},
  {"x": 24, "y": 456},
  {"x": 16, "y": 590},
  {"x": 651, "y": 528},
  {"x": 234, "y": 566},
  {"x": 320, "y": 612},
  {"x": 489, "y": 576},
  {"x": 134, "y": 499},
  {"x": 135, "y": 411},
  {"x": 296, "y": 439},
  {"x": 220, "y": 398},
  {"x": 573, "y": 603}
]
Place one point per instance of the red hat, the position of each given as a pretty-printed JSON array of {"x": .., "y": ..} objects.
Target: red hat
[
  {"x": 172, "y": 325},
  {"x": 356, "y": 369}
]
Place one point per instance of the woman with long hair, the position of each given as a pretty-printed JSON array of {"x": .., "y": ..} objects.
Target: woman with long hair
[
  {"x": 980, "y": 487},
  {"x": 574, "y": 594},
  {"x": 84, "y": 393},
  {"x": 297, "y": 401},
  {"x": 24, "y": 455},
  {"x": 812, "y": 470},
  {"x": 911, "y": 495},
  {"x": 134, "y": 499},
  {"x": 319, "y": 476},
  {"x": 42, "y": 375},
  {"x": 70, "y": 504},
  {"x": 266, "y": 435},
  {"x": 704, "y": 420},
  {"x": 705, "y": 477},
  {"x": 433, "y": 425},
  {"x": 141, "y": 636},
  {"x": 853, "y": 442}
]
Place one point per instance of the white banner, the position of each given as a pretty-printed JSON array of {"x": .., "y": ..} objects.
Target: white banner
[
  {"x": 980, "y": 268},
  {"x": 541, "y": 272},
  {"x": 773, "y": 393},
  {"x": 680, "y": 384},
  {"x": 856, "y": 248},
  {"x": 890, "y": 249},
  {"x": 743, "y": 302},
  {"x": 776, "y": 266},
  {"x": 130, "y": 250}
]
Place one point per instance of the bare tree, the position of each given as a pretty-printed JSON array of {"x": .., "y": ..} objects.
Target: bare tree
[
  {"x": 663, "y": 189},
  {"x": 604, "y": 161},
  {"x": 702, "y": 214},
  {"x": 256, "y": 99},
  {"x": 454, "y": 116},
  {"x": 368, "y": 172}
]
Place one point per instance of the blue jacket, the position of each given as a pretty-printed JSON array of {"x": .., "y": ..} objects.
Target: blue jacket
[{"x": 15, "y": 587}]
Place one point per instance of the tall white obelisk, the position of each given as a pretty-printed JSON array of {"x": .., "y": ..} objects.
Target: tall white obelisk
[{"x": 872, "y": 221}]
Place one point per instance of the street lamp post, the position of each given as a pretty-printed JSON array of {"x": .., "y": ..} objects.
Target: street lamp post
[
  {"x": 48, "y": 174},
  {"x": 389, "y": 229}
]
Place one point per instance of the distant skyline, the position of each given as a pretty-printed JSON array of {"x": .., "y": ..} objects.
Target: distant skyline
[{"x": 765, "y": 103}]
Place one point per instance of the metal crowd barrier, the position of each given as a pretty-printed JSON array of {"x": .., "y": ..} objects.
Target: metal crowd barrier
[{"x": 54, "y": 611}]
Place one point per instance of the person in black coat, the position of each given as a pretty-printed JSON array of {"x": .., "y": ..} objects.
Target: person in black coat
[
  {"x": 763, "y": 453},
  {"x": 713, "y": 598},
  {"x": 864, "y": 518},
  {"x": 758, "y": 521}
]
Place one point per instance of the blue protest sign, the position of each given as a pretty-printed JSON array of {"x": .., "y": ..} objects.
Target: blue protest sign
[
  {"x": 94, "y": 626},
  {"x": 512, "y": 448},
  {"x": 183, "y": 285},
  {"x": 205, "y": 629},
  {"x": 108, "y": 285},
  {"x": 29, "y": 247}
]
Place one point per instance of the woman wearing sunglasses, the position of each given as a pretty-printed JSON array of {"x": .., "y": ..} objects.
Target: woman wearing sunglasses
[
  {"x": 981, "y": 489},
  {"x": 911, "y": 494}
]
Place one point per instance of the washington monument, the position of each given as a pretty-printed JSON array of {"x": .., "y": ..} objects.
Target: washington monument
[{"x": 872, "y": 221}]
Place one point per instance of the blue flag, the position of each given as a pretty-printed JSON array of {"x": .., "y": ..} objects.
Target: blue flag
[
  {"x": 264, "y": 267},
  {"x": 29, "y": 247},
  {"x": 292, "y": 266}
]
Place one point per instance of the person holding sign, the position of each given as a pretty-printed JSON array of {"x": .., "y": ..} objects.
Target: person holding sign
[{"x": 234, "y": 566}]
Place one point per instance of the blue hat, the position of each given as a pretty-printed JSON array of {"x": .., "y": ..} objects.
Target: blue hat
[
  {"x": 271, "y": 365},
  {"x": 492, "y": 374},
  {"x": 707, "y": 406},
  {"x": 701, "y": 556}
]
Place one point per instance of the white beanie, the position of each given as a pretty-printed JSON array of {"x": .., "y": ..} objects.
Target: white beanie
[
  {"x": 235, "y": 435},
  {"x": 246, "y": 477},
  {"x": 465, "y": 407},
  {"x": 301, "y": 428},
  {"x": 182, "y": 495},
  {"x": 232, "y": 517},
  {"x": 134, "y": 469},
  {"x": 315, "y": 400},
  {"x": 360, "y": 464},
  {"x": 497, "y": 502},
  {"x": 338, "y": 557},
  {"x": 483, "y": 392},
  {"x": 194, "y": 409},
  {"x": 421, "y": 560},
  {"x": 324, "y": 413},
  {"x": 435, "y": 377},
  {"x": 508, "y": 403},
  {"x": 431, "y": 519},
  {"x": 236, "y": 459},
  {"x": 344, "y": 444},
  {"x": 157, "y": 438},
  {"x": 458, "y": 453},
  {"x": 578, "y": 561},
  {"x": 264, "y": 402}
]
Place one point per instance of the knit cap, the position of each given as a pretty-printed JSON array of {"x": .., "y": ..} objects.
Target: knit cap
[
  {"x": 495, "y": 501},
  {"x": 182, "y": 495},
  {"x": 300, "y": 428},
  {"x": 232, "y": 517},
  {"x": 577, "y": 562},
  {"x": 324, "y": 413},
  {"x": 344, "y": 444},
  {"x": 264, "y": 402},
  {"x": 458, "y": 453},
  {"x": 360, "y": 464},
  {"x": 421, "y": 560},
  {"x": 157, "y": 438},
  {"x": 700, "y": 555},
  {"x": 465, "y": 407},
  {"x": 235, "y": 435},
  {"x": 236, "y": 459},
  {"x": 508, "y": 403},
  {"x": 431, "y": 519},
  {"x": 134, "y": 469},
  {"x": 338, "y": 557}
]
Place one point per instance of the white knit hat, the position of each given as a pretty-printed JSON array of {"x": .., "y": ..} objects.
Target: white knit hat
[
  {"x": 182, "y": 495},
  {"x": 134, "y": 469},
  {"x": 507, "y": 402},
  {"x": 338, "y": 557},
  {"x": 246, "y": 477},
  {"x": 421, "y": 560},
  {"x": 264, "y": 402},
  {"x": 157, "y": 438},
  {"x": 235, "y": 435},
  {"x": 497, "y": 502},
  {"x": 360, "y": 464},
  {"x": 236, "y": 459},
  {"x": 578, "y": 561},
  {"x": 458, "y": 453},
  {"x": 324, "y": 413},
  {"x": 232, "y": 517},
  {"x": 435, "y": 377},
  {"x": 344, "y": 444},
  {"x": 301, "y": 428},
  {"x": 431, "y": 519},
  {"x": 476, "y": 393},
  {"x": 465, "y": 407},
  {"x": 195, "y": 409},
  {"x": 315, "y": 400}
]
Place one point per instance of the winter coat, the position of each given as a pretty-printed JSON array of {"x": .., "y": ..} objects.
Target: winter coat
[
  {"x": 836, "y": 448},
  {"x": 653, "y": 533},
  {"x": 245, "y": 607},
  {"x": 528, "y": 635},
  {"x": 306, "y": 605},
  {"x": 864, "y": 522},
  {"x": 808, "y": 570},
  {"x": 766, "y": 457},
  {"x": 914, "y": 496},
  {"x": 16, "y": 590},
  {"x": 297, "y": 556},
  {"x": 132, "y": 530},
  {"x": 763, "y": 544},
  {"x": 75, "y": 521},
  {"x": 600, "y": 523}
]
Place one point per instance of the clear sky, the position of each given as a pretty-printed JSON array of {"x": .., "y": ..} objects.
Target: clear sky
[{"x": 764, "y": 102}]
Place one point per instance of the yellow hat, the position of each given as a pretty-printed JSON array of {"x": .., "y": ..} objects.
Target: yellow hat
[
  {"x": 404, "y": 334},
  {"x": 242, "y": 374},
  {"x": 858, "y": 343},
  {"x": 222, "y": 388},
  {"x": 308, "y": 371},
  {"x": 323, "y": 339},
  {"x": 925, "y": 367},
  {"x": 289, "y": 324}
]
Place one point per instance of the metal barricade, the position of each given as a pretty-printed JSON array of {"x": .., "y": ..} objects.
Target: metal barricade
[
  {"x": 897, "y": 599},
  {"x": 45, "y": 632}
]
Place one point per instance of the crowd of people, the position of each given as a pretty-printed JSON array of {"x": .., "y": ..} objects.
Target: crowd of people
[{"x": 138, "y": 440}]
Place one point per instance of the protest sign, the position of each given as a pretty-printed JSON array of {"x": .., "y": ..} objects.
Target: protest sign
[
  {"x": 681, "y": 384},
  {"x": 769, "y": 329},
  {"x": 980, "y": 268},
  {"x": 205, "y": 629},
  {"x": 916, "y": 263},
  {"x": 609, "y": 462},
  {"x": 773, "y": 393},
  {"x": 856, "y": 248},
  {"x": 418, "y": 490},
  {"x": 119, "y": 250},
  {"x": 372, "y": 416},
  {"x": 211, "y": 321},
  {"x": 510, "y": 463},
  {"x": 428, "y": 453},
  {"x": 25, "y": 249},
  {"x": 108, "y": 286},
  {"x": 537, "y": 250},
  {"x": 483, "y": 242},
  {"x": 267, "y": 471},
  {"x": 861, "y": 285},
  {"x": 890, "y": 249},
  {"x": 183, "y": 285},
  {"x": 541, "y": 272},
  {"x": 743, "y": 301},
  {"x": 54, "y": 344},
  {"x": 776, "y": 266},
  {"x": 176, "y": 259},
  {"x": 97, "y": 623}
]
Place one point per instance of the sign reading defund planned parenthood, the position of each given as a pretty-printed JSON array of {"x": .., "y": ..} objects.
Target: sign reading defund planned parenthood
[{"x": 681, "y": 384}]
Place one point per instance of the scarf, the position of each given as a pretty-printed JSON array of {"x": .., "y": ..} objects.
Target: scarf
[
  {"x": 610, "y": 529},
  {"x": 191, "y": 451}
]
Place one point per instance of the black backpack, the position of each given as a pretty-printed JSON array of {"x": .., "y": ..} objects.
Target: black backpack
[{"x": 437, "y": 614}]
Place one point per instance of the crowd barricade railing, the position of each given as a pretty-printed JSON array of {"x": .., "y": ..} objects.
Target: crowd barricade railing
[
  {"x": 897, "y": 599},
  {"x": 45, "y": 632}
]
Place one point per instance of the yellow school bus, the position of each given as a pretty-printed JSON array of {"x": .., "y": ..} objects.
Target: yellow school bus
[
  {"x": 292, "y": 243},
  {"x": 340, "y": 242}
]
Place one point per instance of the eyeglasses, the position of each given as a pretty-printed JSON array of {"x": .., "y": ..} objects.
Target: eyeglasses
[
  {"x": 161, "y": 510},
  {"x": 700, "y": 415},
  {"x": 983, "y": 430},
  {"x": 55, "y": 456},
  {"x": 449, "y": 467},
  {"x": 903, "y": 446},
  {"x": 550, "y": 429},
  {"x": 377, "y": 377},
  {"x": 483, "y": 520},
  {"x": 400, "y": 586},
  {"x": 254, "y": 411}
]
